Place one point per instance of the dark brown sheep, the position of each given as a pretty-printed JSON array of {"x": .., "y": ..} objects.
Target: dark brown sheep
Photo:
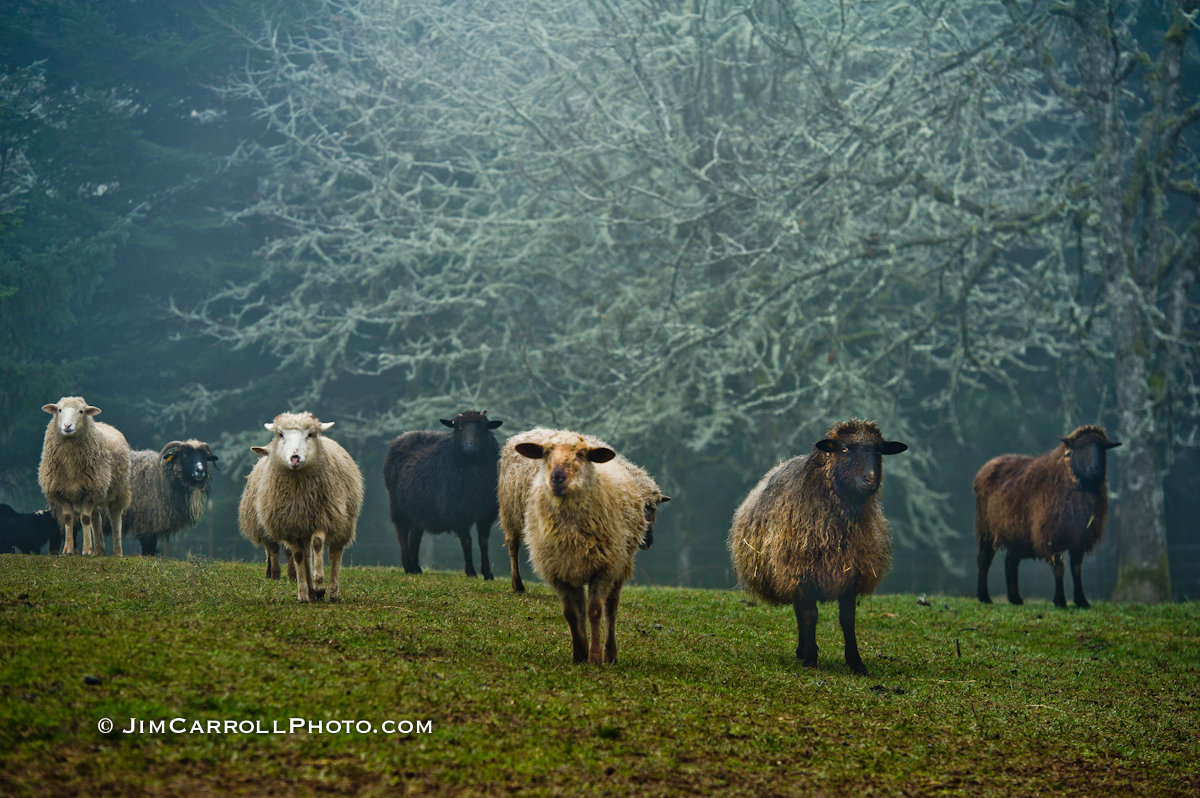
[
  {"x": 1041, "y": 507},
  {"x": 813, "y": 530}
]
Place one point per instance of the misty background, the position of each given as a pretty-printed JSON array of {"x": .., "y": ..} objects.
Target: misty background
[{"x": 704, "y": 231}]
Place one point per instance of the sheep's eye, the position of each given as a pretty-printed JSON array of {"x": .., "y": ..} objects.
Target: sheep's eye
[{"x": 580, "y": 455}]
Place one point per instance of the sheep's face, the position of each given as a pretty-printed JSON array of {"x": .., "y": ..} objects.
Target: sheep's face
[
  {"x": 471, "y": 429},
  {"x": 190, "y": 462},
  {"x": 855, "y": 461},
  {"x": 71, "y": 414},
  {"x": 567, "y": 464},
  {"x": 1087, "y": 451},
  {"x": 297, "y": 440}
]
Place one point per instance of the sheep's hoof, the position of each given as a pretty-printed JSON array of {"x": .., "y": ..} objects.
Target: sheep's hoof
[
  {"x": 470, "y": 572},
  {"x": 1082, "y": 604},
  {"x": 858, "y": 669},
  {"x": 1016, "y": 600},
  {"x": 487, "y": 577},
  {"x": 985, "y": 599},
  {"x": 318, "y": 595},
  {"x": 334, "y": 599}
]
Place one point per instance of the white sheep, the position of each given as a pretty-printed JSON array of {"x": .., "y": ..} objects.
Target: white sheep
[
  {"x": 305, "y": 493},
  {"x": 582, "y": 516},
  {"x": 84, "y": 469}
]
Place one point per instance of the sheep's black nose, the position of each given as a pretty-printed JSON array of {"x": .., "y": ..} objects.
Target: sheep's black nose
[{"x": 558, "y": 481}]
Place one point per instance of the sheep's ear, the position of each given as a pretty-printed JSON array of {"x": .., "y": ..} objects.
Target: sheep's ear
[
  {"x": 51, "y": 409},
  {"x": 601, "y": 454},
  {"x": 269, "y": 427},
  {"x": 893, "y": 447},
  {"x": 1112, "y": 444},
  {"x": 664, "y": 499},
  {"x": 496, "y": 424},
  {"x": 92, "y": 411},
  {"x": 327, "y": 425},
  {"x": 828, "y": 446},
  {"x": 533, "y": 451},
  {"x": 261, "y": 451},
  {"x": 212, "y": 458},
  {"x": 447, "y": 423}
]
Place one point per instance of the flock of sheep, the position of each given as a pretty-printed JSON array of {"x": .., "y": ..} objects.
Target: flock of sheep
[{"x": 812, "y": 530}]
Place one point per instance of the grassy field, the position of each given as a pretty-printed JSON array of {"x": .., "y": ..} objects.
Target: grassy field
[{"x": 707, "y": 697}]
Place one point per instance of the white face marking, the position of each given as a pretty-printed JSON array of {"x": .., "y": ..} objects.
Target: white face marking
[
  {"x": 294, "y": 447},
  {"x": 69, "y": 419}
]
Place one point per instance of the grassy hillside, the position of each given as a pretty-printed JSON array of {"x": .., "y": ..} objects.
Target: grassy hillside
[{"x": 707, "y": 696}]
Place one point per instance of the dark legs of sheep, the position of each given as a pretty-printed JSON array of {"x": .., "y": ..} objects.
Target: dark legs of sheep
[
  {"x": 513, "y": 544},
  {"x": 987, "y": 552},
  {"x": 846, "y": 610},
  {"x": 464, "y": 539},
  {"x": 272, "y": 550},
  {"x": 413, "y": 566},
  {"x": 485, "y": 562},
  {"x": 574, "y": 605},
  {"x": 1011, "y": 562},
  {"x": 610, "y": 609},
  {"x": 597, "y": 592},
  {"x": 1060, "y": 595},
  {"x": 1077, "y": 577},
  {"x": 150, "y": 546},
  {"x": 805, "y": 606}
]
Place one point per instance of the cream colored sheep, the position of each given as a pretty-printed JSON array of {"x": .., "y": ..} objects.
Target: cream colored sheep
[
  {"x": 305, "y": 493},
  {"x": 582, "y": 516},
  {"x": 84, "y": 469},
  {"x": 520, "y": 477}
]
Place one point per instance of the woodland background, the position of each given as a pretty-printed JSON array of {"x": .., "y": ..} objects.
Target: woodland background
[{"x": 702, "y": 230}]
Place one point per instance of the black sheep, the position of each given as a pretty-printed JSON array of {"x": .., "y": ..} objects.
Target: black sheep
[
  {"x": 444, "y": 482},
  {"x": 28, "y": 531}
]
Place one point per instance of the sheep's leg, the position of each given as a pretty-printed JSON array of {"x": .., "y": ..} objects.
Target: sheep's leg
[
  {"x": 1077, "y": 577},
  {"x": 1011, "y": 561},
  {"x": 1060, "y": 595},
  {"x": 805, "y": 606},
  {"x": 317, "y": 566},
  {"x": 513, "y": 544},
  {"x": 272, "y": 550},
  {"x": 149, "y": 545},
  {"x": 464, "y": 540},
  {"x": 118, "y": 547},
  {"x": 335, "y": 568},
  {"x": 87, "y": 517},
  {"x": 68, "y": 523},
  {"x": 573, "y": 610},
  {"x": 610, "y": 609},
  {"x": 987, "y": 552},
  {"x": 595, "y": 612},
  {"x": 485, "y": 562},
  {"x": 846, "y": 611},
  {"x": 414, "y": 550},
  {"x": 406, "y": 556},
  {"x": 300, "y": 558}
]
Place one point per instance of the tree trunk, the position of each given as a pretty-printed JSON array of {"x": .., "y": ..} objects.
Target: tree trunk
[{"x": 1142, "y": 574}]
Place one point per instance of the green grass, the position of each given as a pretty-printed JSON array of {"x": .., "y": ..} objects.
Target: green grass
[{"x": 707, "y": 697}]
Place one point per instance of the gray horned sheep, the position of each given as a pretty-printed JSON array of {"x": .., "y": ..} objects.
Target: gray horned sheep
[
  {"x": 582, "y": 517},
  {"x": 521, "y": 471},
  {"x": 84, "y": 469},
  {"x": 1041, "y": 507},
  {"x": 305, "y": 494},
  {"x": 813, "y": 530}
]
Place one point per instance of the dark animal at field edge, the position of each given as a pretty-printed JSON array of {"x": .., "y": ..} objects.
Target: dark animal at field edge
[
  {"x": 28, "y": 531},
  {"x": 444, "y": 482},
  {"x": 813, "y": 530},
  {"x": 1041, "y": 507}
]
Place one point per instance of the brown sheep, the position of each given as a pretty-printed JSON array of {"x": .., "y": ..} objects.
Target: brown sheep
[
  {"x": 813, "y": 530},
  {"x": 520, "y": 478},
  {"x": 582, "y": 518},
  {"x": 84, "y": 469},
  {"x": 1041, "y": 507},
  {"x": 305, "y": 493}
]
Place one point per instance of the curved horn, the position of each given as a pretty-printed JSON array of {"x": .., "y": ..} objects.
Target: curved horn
[{"x": 169, "y": 445}]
